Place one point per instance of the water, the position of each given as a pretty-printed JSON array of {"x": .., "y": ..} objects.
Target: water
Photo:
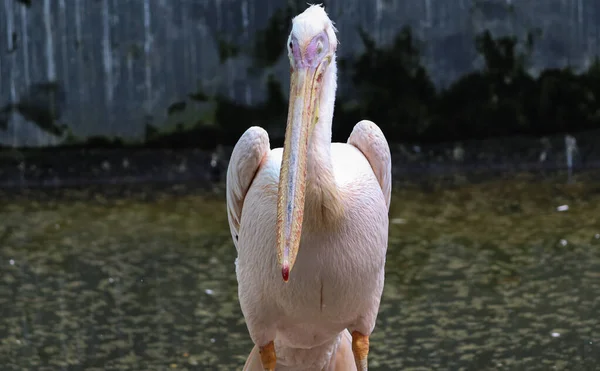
[{"x": 499, "y": 275}]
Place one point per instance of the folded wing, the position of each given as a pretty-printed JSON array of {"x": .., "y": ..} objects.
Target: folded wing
[
  {"x": 246, "y": 158},
  {"x": 369, "y": 139}
]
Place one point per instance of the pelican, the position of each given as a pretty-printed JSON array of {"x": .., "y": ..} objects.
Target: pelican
[{"x": 310, "y": 221}]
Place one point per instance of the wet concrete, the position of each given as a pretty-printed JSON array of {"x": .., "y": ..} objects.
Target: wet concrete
[{"x": 498, "y": 275}]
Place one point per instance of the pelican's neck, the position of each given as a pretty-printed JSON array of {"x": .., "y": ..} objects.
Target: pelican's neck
[
  {"x": 322, "y": 197},
  {"x": 319, "y": 147}
]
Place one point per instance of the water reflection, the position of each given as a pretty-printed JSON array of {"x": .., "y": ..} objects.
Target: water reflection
[{"x": 489, "y": 276}]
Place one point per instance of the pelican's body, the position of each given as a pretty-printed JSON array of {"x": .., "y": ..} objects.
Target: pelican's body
[
  {"x": 316, "y": 206},
  {"x": 338, "y": 276}
]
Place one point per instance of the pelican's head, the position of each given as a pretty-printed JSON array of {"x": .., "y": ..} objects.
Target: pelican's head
[
  {"x": 311, "y": 49},
  {"x": 312, "y": 39}
]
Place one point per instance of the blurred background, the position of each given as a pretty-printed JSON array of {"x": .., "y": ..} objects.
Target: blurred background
[{"x": 117, "y": 120}]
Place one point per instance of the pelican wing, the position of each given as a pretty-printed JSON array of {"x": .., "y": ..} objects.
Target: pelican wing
[
  {"x": 369, "y": 139},
  {"x": 245, "y": 161}
]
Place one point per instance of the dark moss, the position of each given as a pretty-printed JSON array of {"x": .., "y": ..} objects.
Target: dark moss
[
  {"x": 102, "y": 142},
  {"x": 199, "y": 96},
  {"x": 27, "y": 3},
  {"x": 270, "y": 42},
  {"x": 227, "y": 50},
  {"x": 502, "y": 99},
  {"x": 202, "y": 136},
  {"x": 42, "y": 104},
  {"x": 135, "y": 51},
  {"x": 176, "y": 107},
  {"x": 393, "y": 89}
]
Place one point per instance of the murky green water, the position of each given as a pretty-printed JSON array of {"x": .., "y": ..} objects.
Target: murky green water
[{"x": 479, "y": 277}]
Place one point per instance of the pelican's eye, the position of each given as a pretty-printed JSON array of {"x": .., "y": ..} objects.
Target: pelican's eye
[{"x": 319, "y": 47}]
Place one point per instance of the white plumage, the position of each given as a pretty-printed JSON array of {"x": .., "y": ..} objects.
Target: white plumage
[{"x": 335, "y": 286}]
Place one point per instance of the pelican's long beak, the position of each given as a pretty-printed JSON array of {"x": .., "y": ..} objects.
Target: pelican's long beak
[{"x": 302, "y": 116}]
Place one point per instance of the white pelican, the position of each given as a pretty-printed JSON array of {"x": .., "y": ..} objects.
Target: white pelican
[{"x": 314, "y": 212}]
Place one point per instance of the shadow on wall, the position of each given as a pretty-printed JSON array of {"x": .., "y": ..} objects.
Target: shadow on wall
[{"x": 42, "y": 104}]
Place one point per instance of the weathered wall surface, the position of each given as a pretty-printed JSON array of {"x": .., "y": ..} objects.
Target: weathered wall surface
[{"x": 123, "y": 62}]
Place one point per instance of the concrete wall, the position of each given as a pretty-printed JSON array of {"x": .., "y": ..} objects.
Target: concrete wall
[{"x": 123, "y": 62}]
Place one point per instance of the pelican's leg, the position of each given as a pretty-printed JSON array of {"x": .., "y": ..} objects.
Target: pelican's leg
[
  {"x": 268, "y": 357},
  {"x": 360, "y": 348}
]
